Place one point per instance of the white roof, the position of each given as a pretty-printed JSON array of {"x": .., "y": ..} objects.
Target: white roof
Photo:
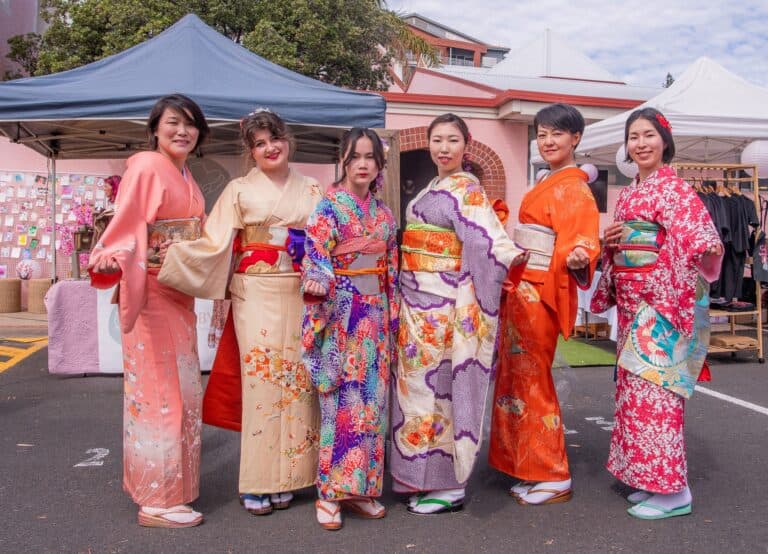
[
  {"x": 550, "y": 55},
  {"x": 713, "y": 112},
  {"x": 485, "y": 76}
]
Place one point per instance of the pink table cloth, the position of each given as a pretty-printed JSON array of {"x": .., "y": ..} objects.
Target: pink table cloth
[{"x": 73, "y": 344}]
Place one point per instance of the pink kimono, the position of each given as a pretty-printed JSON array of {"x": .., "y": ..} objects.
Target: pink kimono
[
  {"x": 161, "y": 369},
  {"x": 647, "y": 446}
]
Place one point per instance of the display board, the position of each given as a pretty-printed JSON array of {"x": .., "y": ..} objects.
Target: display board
[{"x": 27, "y": 218}]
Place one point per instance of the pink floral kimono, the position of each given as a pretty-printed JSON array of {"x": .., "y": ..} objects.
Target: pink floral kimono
[
  {"x": 647, "y": 446},
  {"x": 161, "y": 369}
]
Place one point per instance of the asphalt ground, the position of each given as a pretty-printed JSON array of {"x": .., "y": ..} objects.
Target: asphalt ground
[{"x": 60, "y": 482}]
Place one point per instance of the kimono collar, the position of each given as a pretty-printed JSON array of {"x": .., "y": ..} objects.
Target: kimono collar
[{"x": 662, "y": 172}]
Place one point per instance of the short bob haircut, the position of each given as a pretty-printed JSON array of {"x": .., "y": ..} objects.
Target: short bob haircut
[
  {"x": 562, "y": 117},
  {"x": 653, "y": 115},
  {"x": 454, "y": 120},
  {"x": 184, "y": 106},
  {"x": 264, "y": 119},
  {"x": 347, "y": 150}
]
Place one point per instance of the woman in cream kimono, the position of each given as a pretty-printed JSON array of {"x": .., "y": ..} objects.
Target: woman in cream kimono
[
  {"x": 162, "y": 389},
  {"x": 455, "y": 256},
  {"x": 258, "y": 220}
]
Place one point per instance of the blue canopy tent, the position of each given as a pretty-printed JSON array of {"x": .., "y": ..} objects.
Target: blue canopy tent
[{"x": 99, "y": 110}]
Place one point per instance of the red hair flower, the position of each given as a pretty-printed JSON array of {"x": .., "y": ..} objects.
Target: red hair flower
[{"x": 664, "y": 122}]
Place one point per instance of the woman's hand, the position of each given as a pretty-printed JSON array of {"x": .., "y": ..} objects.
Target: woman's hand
[
  {"x": 520, "y": 258},
  {"x": 577, "y": 259},
  {"x": 107, "y": 265},
  {"x": 314, "y": 288},
  {"x": 163, "y": 250},
  {"x": 612, "y": 233},
  {"x": 716, "y": 250}
]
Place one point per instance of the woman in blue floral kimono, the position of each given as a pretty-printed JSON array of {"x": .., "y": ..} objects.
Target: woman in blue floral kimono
[{"x": 350, "y": 273}]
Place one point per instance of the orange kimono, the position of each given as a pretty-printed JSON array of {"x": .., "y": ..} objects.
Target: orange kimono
[
  {"x": 161, "y": 369},
  {"x": 527, "y": 439}
]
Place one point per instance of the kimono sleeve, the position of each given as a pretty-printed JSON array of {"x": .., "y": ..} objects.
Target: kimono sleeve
[
  {"x": 202, "y": 267},
  {"x": 125, "y": 240},
  {"x": 577, "y": 222},
  {"x": 321, "y": 238},
  {"x": 487, "y": 250},
  {"x": 670, "y": 287}
]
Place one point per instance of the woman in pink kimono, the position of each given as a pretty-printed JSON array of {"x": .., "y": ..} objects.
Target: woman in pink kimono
[
  {"x": 158, "y": 201},
  {"x": 658, "y": 257}
]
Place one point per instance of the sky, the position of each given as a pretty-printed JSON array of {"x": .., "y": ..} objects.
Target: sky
[{"x": 638, "y": 42}]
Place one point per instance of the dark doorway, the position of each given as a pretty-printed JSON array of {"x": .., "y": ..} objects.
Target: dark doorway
[{"x": 416, "y": 171}]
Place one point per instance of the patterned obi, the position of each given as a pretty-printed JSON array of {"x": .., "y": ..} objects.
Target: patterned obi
[
  {"x": 174, "y": 230},
  {"x": 638, "y": 247},
  {"x": 259, "y": 249},
  {"x": 366, "y": 274},
  {"x": 539, "y": 241},
  {"x": 430, "y": 248}
]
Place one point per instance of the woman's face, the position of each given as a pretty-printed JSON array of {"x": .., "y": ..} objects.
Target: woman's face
[
  {"x": 645, "y": 145},
  {"x": 446, "y": 147},
  {"x": 362, "y": 169},
  {"x": 176, "y": 135},
  {"x": 108, "y": 192},
  {"x": 556, "y": 146},
  {"x": 269, "y": 152}
]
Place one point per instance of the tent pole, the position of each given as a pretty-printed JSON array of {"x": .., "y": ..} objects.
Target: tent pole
[{"x": 52, "y": 177}]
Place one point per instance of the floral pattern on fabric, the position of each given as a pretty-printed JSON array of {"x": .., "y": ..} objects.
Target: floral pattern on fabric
[
  {"x": 347, "y": 341},
  {"x": 647, "y": 445}
]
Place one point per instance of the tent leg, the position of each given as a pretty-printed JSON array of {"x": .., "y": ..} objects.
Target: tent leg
[{"x": 52, "y": 177}]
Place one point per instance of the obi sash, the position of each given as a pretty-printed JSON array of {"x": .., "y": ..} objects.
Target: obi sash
[
  {"x": 657, "y": 352},
  {"x": 539, "y": 241},
  {"x": 258, "y": 249},
  {"x": 365, "y": 272},
  {"x": 174, "y": 230},
  {"x": 638, "y": 247},
  {"x": 430, "y": 248}
]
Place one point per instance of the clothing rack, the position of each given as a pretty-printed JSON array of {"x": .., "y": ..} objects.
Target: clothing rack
[{"x": 726, "y": 175}]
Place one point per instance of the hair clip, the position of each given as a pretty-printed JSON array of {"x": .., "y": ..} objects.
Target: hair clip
[{"x": 663, "y": 122}]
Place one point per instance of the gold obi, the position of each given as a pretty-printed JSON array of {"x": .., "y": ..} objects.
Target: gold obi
[
  {"x": 539, "y": 241},
  {"x": 174, "y": 230},
  {"x": 262, "y": 249},
  {"x": 430, "y": 248}
]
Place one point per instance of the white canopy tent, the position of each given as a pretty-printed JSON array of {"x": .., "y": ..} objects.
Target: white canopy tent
[{"x": 714, "y": 115}]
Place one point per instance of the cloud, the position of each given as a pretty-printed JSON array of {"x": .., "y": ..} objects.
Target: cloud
[{"x": 638, "y": 42}]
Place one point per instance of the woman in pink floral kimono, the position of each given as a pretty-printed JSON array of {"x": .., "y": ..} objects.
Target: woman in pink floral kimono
[
  {"x": 659, "y": 255},
  {"x": 158, "y": 200}
]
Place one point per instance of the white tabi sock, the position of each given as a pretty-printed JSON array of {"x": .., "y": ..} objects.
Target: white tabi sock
[
  {"x": 533, "y": 497},
  {"x": 666, "y": 501}
]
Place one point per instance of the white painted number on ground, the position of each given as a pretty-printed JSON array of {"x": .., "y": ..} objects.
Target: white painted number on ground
[
  {"x": 96, "y": 459},
  {"x": 604, "y": 425}
]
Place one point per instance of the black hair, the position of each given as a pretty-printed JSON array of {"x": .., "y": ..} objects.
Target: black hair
[
  {"x": 185, "y": 106},
  {"x": 563, "y": 117},
  {"x": 655, "y": 117},
  {"x": 450, "y": 118},
  {"x": 347, "y": 150},
  {"x": 264, "y": 119}
]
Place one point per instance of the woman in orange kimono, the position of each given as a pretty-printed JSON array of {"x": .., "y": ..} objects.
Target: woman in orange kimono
[
  {"x": 158, "y": 201},
  {"x": 558, "y": 225}
]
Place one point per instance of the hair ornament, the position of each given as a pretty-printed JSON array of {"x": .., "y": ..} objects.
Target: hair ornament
[
  {"x": 258, "y": 110},
  {"x": 664, "y": 122}
]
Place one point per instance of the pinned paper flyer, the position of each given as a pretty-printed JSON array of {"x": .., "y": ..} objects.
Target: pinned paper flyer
[
  {"x": 33, "y": 244},
  {"x": 9, "y": 221},
  {"x": 45, "y": 240},
  {"x": 40, "y": 254},
  {"x": 22, "y": 240},
  {"x": 5, "y": 252},
  {"x": 59, "y": 219},
  {"x": 15, "y": 252},
  {"x": 32, "y": 232}
]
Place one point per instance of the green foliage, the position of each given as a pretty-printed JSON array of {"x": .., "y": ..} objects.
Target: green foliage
[
  {"x": 24, "y": 50},
  {"x": 344, "y": 42}
]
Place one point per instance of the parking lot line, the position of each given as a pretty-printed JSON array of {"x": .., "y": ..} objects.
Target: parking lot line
[
  {"x": 15, "y": 349},
  {"x": 733, "y": 400}
]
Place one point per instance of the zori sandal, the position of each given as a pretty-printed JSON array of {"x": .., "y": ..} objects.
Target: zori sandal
[
  {"x": 175, "y": 517},
  {"x": 521, "y": 488},
  {"x": 328, "y": 515},
  {"x": 445, "y": 506},
  {"x": 662, "y": 512},
  {"x": 281, "y": 500},
  {"x": 557, "y": 497},
  {"x": 256, "y": 504},
  {"x": 366, "y": 507}
]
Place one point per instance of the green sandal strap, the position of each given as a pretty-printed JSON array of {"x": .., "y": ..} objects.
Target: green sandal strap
[{"x": 438, "y": 501}]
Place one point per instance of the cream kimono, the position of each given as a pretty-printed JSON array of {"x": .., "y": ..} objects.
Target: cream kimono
[{"x": 280, "y": 419}]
